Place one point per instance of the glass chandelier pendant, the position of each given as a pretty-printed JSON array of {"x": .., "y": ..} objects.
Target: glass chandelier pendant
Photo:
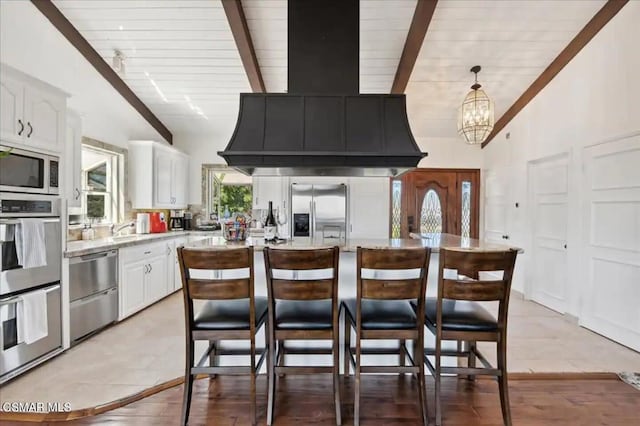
[{"x": 475, "y": 116}]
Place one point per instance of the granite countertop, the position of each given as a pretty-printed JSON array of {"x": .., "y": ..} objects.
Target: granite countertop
[
  {"x": 84, "y": 247},
  {"x": 434, "y": 241}
]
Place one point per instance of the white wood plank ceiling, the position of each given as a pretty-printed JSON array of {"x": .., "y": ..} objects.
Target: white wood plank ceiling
[
  {"x": 183, "y": 63},
  {"x": 513, "y": 41}
]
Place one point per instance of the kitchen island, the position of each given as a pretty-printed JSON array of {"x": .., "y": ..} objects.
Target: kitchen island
[{"x": 433, "y": 241}]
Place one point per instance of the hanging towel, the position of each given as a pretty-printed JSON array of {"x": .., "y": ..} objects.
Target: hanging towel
[
  {"x": 32, "y": 317},
  {"x": 30, "y": 243}
]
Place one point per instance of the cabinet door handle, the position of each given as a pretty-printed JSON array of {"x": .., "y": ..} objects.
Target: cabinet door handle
[
  {"x": 146, "y": 269},
  {"x": 21, "y": 127},
  {"x": 30, "y": 129},
  {"x": 150, "y": 268},
  {"x": 77, "y": 193}
]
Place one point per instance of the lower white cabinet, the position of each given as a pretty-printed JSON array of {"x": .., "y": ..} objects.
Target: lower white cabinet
[
  {"x": 143, "y": 276},
  {"x": 173, "y": 273}
]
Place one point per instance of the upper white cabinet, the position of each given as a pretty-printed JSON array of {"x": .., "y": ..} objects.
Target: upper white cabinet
[
  {"x": 157, "y": 175},
  {"x": 369, "y": 207},
  {"x": 269, "y": 188},
  {"x": 32, "y": 113},
  {"x": 73, "y": 161}
]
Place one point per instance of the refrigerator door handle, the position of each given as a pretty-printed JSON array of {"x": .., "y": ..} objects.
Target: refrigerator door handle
[{"x": 312, "y": 209}]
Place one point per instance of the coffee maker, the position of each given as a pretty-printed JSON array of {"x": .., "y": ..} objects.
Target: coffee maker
[{"x": 176, "y": 220}]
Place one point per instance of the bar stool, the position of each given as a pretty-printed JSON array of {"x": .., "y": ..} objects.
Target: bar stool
[
  {"x": 381, "y": 310},
  {"x": 302, "y": 290},
  {"x": 456, "y": 315},
  {"x": 231, "y": 312}
]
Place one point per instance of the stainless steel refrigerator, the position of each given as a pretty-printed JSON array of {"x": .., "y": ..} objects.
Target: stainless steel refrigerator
[{"x": 319, "y": 212}]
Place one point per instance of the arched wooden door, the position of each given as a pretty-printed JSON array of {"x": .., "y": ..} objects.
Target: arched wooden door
[{"x": 440, "y": 201}]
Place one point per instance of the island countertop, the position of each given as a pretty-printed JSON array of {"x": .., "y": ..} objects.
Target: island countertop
[{"x": 434, "y": 241}]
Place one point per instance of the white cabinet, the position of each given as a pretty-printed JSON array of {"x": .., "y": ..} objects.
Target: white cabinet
[
  {"x": 72, "y": 162},
  {"x": 156, "y": 281},
  {"x": 265, "y": 189},
  {"x": 369, "y": 199},
  {"x": 11, "y": 109},
  {"x": 143, "y": 276},
  {"x": 157, "y": 176},
  {"x": 173, "y": 273},
  {"x": 32, "y": 113},
  {"x": 132, "y": 278}
]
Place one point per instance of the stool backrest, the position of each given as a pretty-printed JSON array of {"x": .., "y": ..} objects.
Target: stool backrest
[
  {"x": 467, "y": 285},
  {"x": 391, "y": 261},
  {"x": 297, "y": 282},
  {"x": 214, "y": 262}
]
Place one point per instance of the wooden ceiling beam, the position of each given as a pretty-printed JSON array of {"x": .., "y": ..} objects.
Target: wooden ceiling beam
[
  {"x": 66, "y": 28},
  {"x": 599, "y": 20},
  {"x": 417, "y": 31},
  {"x": 242, "y": 36}
]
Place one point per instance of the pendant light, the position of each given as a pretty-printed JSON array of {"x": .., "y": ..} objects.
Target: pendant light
[{"x": 475, "y": 116}]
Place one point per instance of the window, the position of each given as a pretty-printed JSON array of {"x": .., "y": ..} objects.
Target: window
[
  {"x": 226, "y": 189},
  {"x": 431, "y": 213},
  {"x": 101, "y": 190},
  {"x": 396, "y": 205}
]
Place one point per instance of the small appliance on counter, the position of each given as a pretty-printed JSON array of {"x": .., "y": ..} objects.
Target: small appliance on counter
[
  {"x": 143, "y": 223},
  {"x": 187, "y": 221},
  {"x": 157, "y": 222},
  {"x": 176, "y": 220}
]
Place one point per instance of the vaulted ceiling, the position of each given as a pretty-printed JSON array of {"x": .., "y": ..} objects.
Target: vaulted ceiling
[{"x": 182, "y": 60}]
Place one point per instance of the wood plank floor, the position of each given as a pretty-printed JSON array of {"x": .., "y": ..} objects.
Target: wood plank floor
[{"x": 387, "y": 400}]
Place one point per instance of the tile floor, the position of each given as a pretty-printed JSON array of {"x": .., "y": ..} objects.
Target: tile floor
[{"x": 148, "y": 349}]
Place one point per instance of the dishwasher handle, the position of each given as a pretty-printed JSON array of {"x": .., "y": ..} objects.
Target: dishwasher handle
[{"x": 94, "y": 256}]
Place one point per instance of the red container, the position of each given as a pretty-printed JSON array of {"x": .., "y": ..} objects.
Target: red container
[{"x": 157, "y": 222}]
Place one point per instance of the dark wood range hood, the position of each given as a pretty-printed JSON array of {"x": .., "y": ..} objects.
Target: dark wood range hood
[{"x": 323, "y": 126}]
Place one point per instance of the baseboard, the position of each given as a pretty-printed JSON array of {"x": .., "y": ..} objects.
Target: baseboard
[{"x": 515, "y": 294}]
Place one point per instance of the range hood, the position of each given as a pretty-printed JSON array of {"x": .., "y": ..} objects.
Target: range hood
[{"x": 322, "y": 126}]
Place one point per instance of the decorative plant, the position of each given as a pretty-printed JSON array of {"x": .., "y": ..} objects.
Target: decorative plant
[{"x": 5, "y": 153}]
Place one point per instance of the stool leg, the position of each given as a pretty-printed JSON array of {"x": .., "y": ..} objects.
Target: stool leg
[
  {"x": 271, "y": 377},
  {"x": 336, "y": 372},
  {"x": 437, "y": 382},
  {"x": 253, "y": 380},
  {"x": 188, "y": 384},
  {"x": 402, "y": 360},
  {"x": 502, "y": 381},
  {"x": 356, "y": 399},
  {"x": 212, "y": 357},
  {"x": 419, "y": 358},
  {"x": 281, "y": 352},
  {"x": 347, "y": 345},
  {"x": 471, "y": 360}
]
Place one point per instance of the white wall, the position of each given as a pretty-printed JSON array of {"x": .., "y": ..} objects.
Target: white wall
[
  {"x": 449, "y": 153},
  {"x": 593, "y": 100},
  {"x": 30, "y": 43}
]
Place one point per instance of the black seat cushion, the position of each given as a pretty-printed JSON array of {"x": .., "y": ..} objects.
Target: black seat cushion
[
  {"x": 303, "y": 314},
  {"x": 460, "y": 315},
  {"x": 229, "y": 314},
  {"x": 383, "y": 314}
]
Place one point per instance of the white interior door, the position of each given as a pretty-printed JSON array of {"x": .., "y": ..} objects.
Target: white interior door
[
  {"x": 496, "y": 205},
  {"x": 611, "y": 268},
  {"x": 549, "y": 180}
]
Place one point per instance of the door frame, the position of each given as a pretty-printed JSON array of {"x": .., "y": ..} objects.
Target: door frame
[{"x": 475, "y": 196}]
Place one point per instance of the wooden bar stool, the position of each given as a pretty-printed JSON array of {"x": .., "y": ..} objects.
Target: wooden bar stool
[
  {"x": 230, "y": 313},
  {"x": 456, "y": 315},
  {"x": 381, "y": 310},
  {"x": 303, "y": 304}
]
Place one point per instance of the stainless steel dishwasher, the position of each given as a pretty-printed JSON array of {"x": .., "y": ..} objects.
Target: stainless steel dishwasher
[{"x": 93, "y": 292}]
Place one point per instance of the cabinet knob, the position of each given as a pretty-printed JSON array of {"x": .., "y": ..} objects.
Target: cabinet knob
[{"x": 30, "y": 129}]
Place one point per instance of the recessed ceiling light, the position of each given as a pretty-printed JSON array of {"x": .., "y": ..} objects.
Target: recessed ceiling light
[{"x": 121, "y": 28}]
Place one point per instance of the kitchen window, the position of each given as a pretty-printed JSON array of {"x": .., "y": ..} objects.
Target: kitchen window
[{"x": 102, "y": 171}]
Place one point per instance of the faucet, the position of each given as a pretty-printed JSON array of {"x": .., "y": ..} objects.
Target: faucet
[{"x": 113, "y": 230}]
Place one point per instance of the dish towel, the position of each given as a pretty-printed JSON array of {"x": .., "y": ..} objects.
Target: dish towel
[
  {"x": 32, "y": 317},
  {"x": 30, "y": 243}
]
